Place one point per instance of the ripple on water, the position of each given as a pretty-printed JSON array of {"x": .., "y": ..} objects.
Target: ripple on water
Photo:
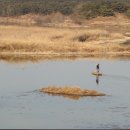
[{"x": 119, "y": 108}]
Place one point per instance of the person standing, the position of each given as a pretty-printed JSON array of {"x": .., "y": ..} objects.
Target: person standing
[{"x": 97, "y": 68}]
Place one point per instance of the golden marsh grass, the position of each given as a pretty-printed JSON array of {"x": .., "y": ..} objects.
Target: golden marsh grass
[
  {"x": 71, "y": 91},
  {"x": 45, "y": 40}
]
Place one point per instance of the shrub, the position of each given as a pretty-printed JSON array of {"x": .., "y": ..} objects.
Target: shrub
[
  {"x": 128, "y": 13},
  {"x": 83, "y": 38},
  {"x": 119, "y": 7},
  {"x": 104, "y": 11},
  {"x": 66, "y": 10},
  {"x": 89, "y": 10},
  {"x": 86, "y": 8},
  {"x": 126, "y": 42}
]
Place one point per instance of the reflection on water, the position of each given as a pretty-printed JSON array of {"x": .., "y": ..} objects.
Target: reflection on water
[
  {"x": 11, "y": 58},
  {"x": 72, "y": 97},
  {"x": 117, "y": 76},
  {"x": 97, "y": 80}
]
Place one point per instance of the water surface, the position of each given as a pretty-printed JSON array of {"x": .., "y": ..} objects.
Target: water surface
[{"x": 23, "y": 106}]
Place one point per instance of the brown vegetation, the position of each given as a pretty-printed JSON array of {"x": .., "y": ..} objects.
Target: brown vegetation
[
  {"x": 102, "y": 35},
  {"x": 41, "y": 40},
  {"x": 74, "y": 93},
  {"x": 59, "y": 20}
]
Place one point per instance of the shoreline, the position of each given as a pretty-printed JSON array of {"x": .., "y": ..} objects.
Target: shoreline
[
  {"x": 127, "y": 53},
  {"x": 35, "y": 58}
]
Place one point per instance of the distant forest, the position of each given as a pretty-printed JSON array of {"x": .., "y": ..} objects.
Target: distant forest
[{"x": 84, "y": 8}]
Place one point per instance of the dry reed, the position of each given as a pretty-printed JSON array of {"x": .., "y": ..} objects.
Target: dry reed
[
  {"x": 59, "y": 40},
  {"x": 71, "y": 91}
]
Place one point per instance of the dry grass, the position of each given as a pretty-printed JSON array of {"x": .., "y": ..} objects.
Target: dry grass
[
  {"x": 76, "y": 91},
  {"x": 59, "y": 40},
  {"x": 126, "y": 42}
]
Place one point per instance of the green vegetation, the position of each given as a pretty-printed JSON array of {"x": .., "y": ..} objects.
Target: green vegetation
[
  {"x": 104, "y": 8},
  {"x": 85, "y": 8},
  {"x": 128, "y": 13},
  {"x": 21, "y": 7}
]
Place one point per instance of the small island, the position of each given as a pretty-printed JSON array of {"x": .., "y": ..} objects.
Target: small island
[{"x": 69, "y": 90}]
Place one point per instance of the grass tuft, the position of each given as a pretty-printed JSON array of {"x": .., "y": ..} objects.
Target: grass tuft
[{"x": 71, "y": 91}]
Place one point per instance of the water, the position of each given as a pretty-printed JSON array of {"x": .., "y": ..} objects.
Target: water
[{"x": 23, "y": 106}]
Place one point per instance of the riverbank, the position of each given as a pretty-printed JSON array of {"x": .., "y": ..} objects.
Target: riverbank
[
  {"x": 66, "y": 41},
  {"x": 35, "y": 58}
]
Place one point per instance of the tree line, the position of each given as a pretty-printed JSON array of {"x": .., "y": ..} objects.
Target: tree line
[{"x": 85, "y": 8}]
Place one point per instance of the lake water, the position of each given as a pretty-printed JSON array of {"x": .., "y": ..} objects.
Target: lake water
[{"x": 23, "y": 106}]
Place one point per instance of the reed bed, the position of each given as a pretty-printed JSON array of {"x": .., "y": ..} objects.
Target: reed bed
[
  {"x": 60, "y": 40},
  {"x": 68, "y": 90}
]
